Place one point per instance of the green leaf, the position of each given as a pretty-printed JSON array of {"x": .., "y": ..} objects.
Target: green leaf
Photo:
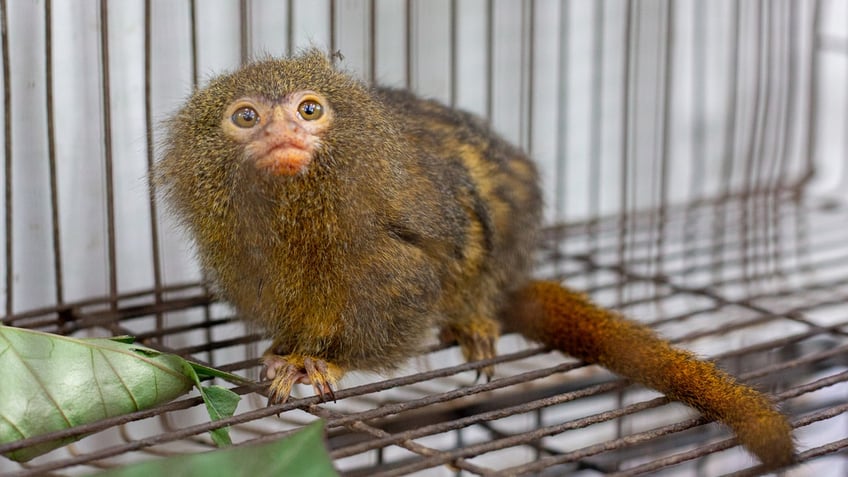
[
  {"x": 205, "y": 372},
  {"x": 53, "y": 382},
  {"x": 302, "y": 454},
  {"x": 123, "y": 339},
  {"x": 220, "y": 403}
]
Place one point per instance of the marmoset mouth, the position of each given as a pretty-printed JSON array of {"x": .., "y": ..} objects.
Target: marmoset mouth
[{"x": 285, "y": 159}]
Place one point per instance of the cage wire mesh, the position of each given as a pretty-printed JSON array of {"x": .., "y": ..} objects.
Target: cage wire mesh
[{"x": 693, "y": 159}]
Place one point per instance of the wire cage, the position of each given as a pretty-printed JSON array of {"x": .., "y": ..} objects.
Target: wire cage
[{"x": 693, "y": 160}]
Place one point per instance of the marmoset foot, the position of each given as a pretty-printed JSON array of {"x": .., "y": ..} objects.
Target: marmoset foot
[
  {"x": 476, "y": 338},
  {"x": 286, "y": 371}
]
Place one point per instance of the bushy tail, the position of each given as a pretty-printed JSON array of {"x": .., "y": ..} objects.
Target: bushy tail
[{"x": 569, "y": 322}]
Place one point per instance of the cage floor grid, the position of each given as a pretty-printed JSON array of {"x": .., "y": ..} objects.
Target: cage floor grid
[{"x": 760, "y": 286}]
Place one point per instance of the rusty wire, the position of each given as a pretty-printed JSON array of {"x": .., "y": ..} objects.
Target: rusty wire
[{"x": 399, "y": 423}]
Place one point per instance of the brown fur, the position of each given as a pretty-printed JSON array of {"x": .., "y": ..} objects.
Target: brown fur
[
  {"x": 570, "y": 322},
  {"x": 411, "y": 215}
]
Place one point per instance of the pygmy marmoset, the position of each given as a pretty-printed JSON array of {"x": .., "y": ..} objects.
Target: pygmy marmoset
[{"x": 348, "y": 220}]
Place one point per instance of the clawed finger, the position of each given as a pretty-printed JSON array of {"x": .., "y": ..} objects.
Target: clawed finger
[
  {"x": 281, "y": 386},
  {"x": 322, "y": 381},
  {"x": 286, "y": 371}
]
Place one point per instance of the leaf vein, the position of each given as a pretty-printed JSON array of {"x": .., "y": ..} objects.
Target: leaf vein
[
  {"x": 120, "y": 379},
  {"x": 38, "y": 380}
]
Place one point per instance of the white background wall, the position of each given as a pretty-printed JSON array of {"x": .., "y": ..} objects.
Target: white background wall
[{"x": 570, "y": 107}]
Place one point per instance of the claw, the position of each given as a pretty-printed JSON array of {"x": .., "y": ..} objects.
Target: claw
[
  {"x": 281, "y": 384},
  {"x": 286, "y": 371},
  {"x": 320, "y": 376}
]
